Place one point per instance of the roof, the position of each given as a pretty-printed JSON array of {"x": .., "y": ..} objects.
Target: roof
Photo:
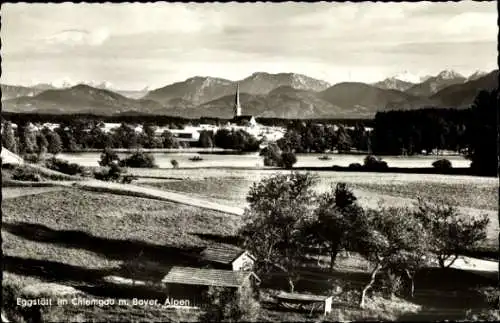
[
  {"x": 243, "y": 118},
  {"x": 302, "y": 297},
  {"x": 223, "y": 255},
  {"x": 206, "y": 277}
]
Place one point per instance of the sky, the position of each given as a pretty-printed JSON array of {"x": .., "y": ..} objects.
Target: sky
[{"x": 134, "y": 45}]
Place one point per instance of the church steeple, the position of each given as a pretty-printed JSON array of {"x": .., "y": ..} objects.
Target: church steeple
[{"x": 237, "y": 106}]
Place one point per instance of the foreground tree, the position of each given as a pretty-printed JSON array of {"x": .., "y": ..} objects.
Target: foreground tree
[
  {"x": 389, "y": 237},
  {"x": 280, "y": 208},
  {"x": 337, "y": 220},
  {"x": 451, "y": 233}
]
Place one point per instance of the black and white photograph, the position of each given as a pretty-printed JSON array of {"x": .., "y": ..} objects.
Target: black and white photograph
[{"x": 250, "y": 162}]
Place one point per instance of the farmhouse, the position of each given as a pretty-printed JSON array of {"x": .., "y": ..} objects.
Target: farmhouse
[
  {"x": 227, "y": 258},
  {"x": 186, "y": 285}
]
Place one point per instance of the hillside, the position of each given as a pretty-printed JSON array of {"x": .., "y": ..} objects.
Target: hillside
[
  {"x": 200, "y": 90},
  {"x": 462, "y": 95},
  {"x": 196, "y": 90},
  {"x": 14, "y": 91},
  {"x": 80, "y": 99},
  {"x": 393, "y": 83},
  {"x": 263, "y": 83},
  {"x": 436, "y": 83},
  {"x": 361, "y": 99}
]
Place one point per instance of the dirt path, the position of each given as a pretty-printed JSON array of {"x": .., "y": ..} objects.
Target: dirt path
[
  {"x": 140, "y": 191},
  {"x": 13, "y": 192}
]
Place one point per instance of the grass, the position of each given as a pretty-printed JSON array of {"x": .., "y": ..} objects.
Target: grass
[
  {"x": 475, "y": 199},
  {"x": 231, "y": 190},
  {"x": 76, "y": 238},
  {"x": 13, "y": 192},
  {"x": 465, "y": 195}
]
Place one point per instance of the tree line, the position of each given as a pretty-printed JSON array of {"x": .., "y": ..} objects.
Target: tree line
[{"x": 89, "y": 134}]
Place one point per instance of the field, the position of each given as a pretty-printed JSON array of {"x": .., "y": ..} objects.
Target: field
[
  {"x": 253, "y": 160},
  {"x": 76, "y": 237},
  {"x": 473, "y": 196}
]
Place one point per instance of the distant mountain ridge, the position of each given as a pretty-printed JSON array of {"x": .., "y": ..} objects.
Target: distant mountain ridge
[
  {"x": 200, "y": 90},
  {"x": 80, "y": 99},
  {"x": 282, "y": 95}
]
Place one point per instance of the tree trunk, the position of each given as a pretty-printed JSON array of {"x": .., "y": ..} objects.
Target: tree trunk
[
  {"x": 441, "y": 261},
  {"x": 291, "y": 284},
  {"x": 333, "y": 257},
  {"x": 412, "y": 283},
  {"x": 370, "y": 284},
  {"x": 452, "y": 261}
]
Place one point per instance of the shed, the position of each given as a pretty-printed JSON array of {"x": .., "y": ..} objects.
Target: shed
[
  {"x": 304, "y": 300},
  {"x": 187, "y": 284},
  {"x": 228, "y": 258}
]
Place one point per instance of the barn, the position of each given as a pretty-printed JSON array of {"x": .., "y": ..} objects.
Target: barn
[{"x": 229, "y": 258}]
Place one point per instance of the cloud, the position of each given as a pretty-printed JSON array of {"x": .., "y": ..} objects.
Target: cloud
[{"x": 76, "y": 37}]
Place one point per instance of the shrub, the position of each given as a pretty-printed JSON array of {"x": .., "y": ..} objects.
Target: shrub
[
  {"x": 231, "y": 306},
  {"x": 108, "y": 157},
  {"x": 374, "y": 163},
  {"x": 272, "y": 155},
  {"x": 64, "y": 166},
  {"x": 175, "y": 163},
  {"x": 442, "y": 164},
  {"x": 139, "y": 159},
  {"x": 32, "y": 158},
  {"x": 26, "y": 174},
  {"x": 287, "y": 160},
  {"x": 113, "y": 173},
  {"x": 195, "y": 158},
  {"x": 10, "y": 294},
  {"x": 127, "y": 179},
  {"x": 355, "y": 166}
]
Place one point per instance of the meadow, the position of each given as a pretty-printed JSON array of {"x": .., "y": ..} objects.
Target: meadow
[
  {"x": 75, "y": 238},
  {"x": 253, "y": 160}
]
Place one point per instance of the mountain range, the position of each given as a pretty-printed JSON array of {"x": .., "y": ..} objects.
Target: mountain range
[{"x": 283, "y": 95}]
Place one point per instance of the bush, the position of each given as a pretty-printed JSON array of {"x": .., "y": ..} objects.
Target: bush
[
  {"x": 113, "y": 173},
  {"x": 272, "y": 155},
  {"x": 26, "y": 174},
  {"x": 64, "y": 166},
  {"x": 231, "y": 306},
  {"x": 108, "y": 157},
  {"x": 32, "y": 158},
  {"x": 175, "y": 163},
  {"x": 374, "y": 163},
  {"x": 139, "y": 159},
  {"x": 442, "y": 164},
  {"x": 287, "y": 160},
  {"x": 127, "y": 179},
  {"x": 357, "y": 166},
  {"x": 195, "y": 158}
]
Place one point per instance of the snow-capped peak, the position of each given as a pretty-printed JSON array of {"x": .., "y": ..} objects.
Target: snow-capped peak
[
  {"x": 449, "y": 74},
  {"x": 406, "y": 76},
  {"x": 476, "y": 75}
]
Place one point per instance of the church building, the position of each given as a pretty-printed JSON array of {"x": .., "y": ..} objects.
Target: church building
[{"x": 238, "y": 118}]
